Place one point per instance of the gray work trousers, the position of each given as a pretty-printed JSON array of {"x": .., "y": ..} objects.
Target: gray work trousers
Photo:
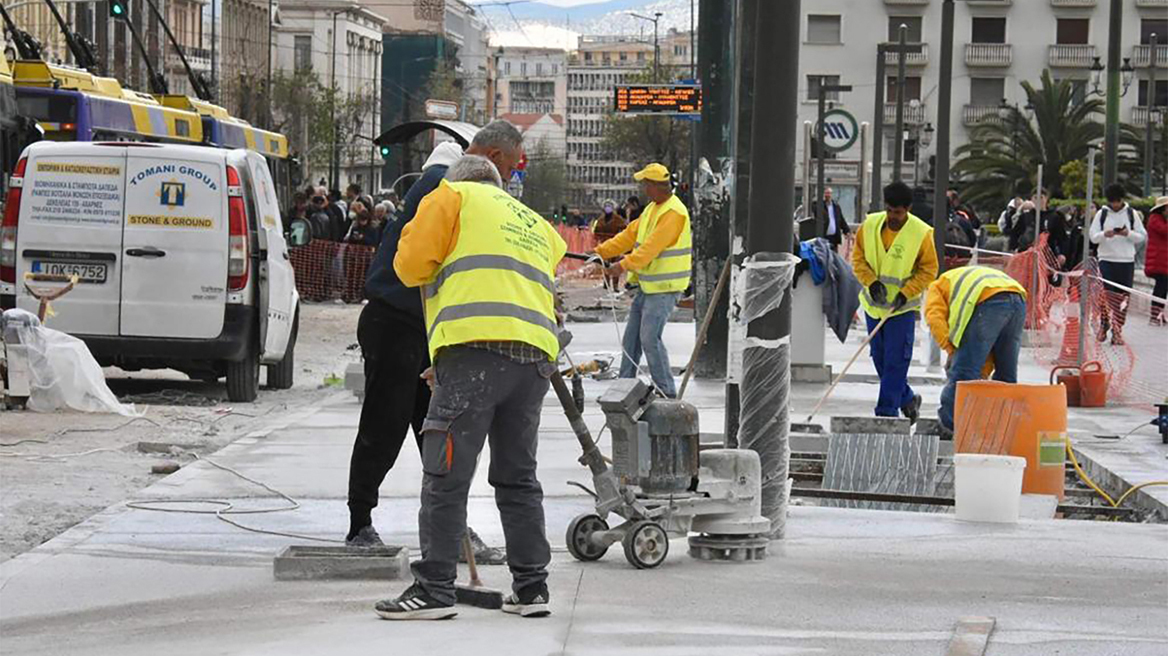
[{"x": 482, "y": 395}]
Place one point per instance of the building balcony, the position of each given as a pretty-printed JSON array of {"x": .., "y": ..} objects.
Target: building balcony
[
  {"x": 988, "y": 54},
  {"x": 990, "y": 3},
  {"x": 972, "y": 115},
  {"x": 914, "y": 113},
  {"x": 1071, "y": 56},
  {"x": 1139, "y": 116},
  {"x": 1142, "y": 55},
  {"x": 1156, "y": 4},
  {"x": 911, "y": 59},
  {"x": 901, "y": 3},
  {"x": 1072, "y": 3}
]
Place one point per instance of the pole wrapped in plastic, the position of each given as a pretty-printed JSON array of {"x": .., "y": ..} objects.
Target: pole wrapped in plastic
[{"x": 763, "y": 281}]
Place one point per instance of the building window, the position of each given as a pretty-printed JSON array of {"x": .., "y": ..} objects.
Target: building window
[
  {"x": 1149, "y": 26},
  {"x": 507, "y": 68},
  {"x": 555, "y": 69},
  {"x": 1161, "y": 99},
  {"x": 823, "y": 29},
  {"x": 988, "y": 30},
  {"x": 1073, "y": 31},
  {"x": 813, "y": 82},
  {"x": 912, "y": 89},
  {"x": 523, "y": 69},
  {"x": 302, "y": 50},
  {"x": 539, "y": 69},
  {"x": 915, "y": 28},
  {"x": 986, "y": 91},
  {"x": 641, "y": 57}
]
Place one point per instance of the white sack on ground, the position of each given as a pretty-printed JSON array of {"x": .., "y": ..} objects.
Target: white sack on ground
[{"x": 63, "y": 372}]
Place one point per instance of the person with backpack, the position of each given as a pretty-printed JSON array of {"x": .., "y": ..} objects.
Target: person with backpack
[{"x": 1117, "y": 230}]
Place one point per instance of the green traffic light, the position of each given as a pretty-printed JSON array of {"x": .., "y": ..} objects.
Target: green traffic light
[
  {"x": 385, "y": 152},
  {"x": 117, "y": 9}
]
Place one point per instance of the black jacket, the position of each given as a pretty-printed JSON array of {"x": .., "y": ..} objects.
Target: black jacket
[
  {"x": 382, "y": 284},
  {"x": 841, "y": 223}
]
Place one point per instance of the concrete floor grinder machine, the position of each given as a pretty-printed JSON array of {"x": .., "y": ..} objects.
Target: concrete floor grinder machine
[{"x": 662, "y": 485}]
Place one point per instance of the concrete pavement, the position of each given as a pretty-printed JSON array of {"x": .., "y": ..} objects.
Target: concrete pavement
[{"x": 134, "y": 581}]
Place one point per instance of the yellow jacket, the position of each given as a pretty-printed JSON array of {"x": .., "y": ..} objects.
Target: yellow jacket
[
  {"x": 926, "y": 265},
  {"x": 669, "y": 228}
]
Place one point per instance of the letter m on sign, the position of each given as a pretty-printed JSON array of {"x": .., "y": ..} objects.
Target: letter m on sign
[{"x": 836, "y": 130}]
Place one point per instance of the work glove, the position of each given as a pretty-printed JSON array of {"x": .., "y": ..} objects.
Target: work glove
[
  {"x": 878, "y": 293},
  {"x": 900, "y": 301}
]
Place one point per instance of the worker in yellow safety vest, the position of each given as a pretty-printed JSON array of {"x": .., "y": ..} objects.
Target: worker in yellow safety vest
[
  {"x": 895, "y": 260},
  {"x": 486, "y": 264},
  {"x": 658, "y": 259},
  {"x": 976, "y": 314}
]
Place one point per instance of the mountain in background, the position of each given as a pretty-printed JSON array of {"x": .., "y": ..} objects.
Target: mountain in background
[{"x": 549, "y": 26}]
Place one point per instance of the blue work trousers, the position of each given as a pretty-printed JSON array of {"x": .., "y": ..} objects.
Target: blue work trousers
[
  {"x": 995, "y": 328},
  {"x": 892, "y": 352},
  {"x": 643, "y": 332}
]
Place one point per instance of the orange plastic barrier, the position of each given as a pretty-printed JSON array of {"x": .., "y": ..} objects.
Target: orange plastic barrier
[{"x": 1029, "y": 421}]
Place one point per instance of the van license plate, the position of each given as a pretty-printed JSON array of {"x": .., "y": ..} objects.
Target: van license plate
[{"x": 85, "y": 271}]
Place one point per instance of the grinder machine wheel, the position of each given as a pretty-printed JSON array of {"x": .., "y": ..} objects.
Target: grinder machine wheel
[
  {"x": 646, "y": 544},
  {"x": 579, "y": 536}
]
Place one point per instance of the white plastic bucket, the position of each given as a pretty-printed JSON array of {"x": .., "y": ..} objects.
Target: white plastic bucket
[{"x": 988, "y": 487}]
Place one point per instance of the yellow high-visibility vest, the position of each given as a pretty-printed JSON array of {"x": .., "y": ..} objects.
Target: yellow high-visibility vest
[
  {"x": 966, "y": 285},
  {"x": 670, "y": 270},
  {"x": 498, "y": 284},
  {"x": 893, "y": 266}
]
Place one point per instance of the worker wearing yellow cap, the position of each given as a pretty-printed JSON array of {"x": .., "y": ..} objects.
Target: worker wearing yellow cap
[
  {"x": 976, "y": 314},
  {"x": 656, "y": 249}
]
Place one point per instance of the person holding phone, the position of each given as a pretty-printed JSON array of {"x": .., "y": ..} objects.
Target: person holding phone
[{"x": 1117, "y": 230}]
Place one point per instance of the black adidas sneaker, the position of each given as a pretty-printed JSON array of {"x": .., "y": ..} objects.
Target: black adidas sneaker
[
  {"x": 414, "y": 604},
  {"x": 528, "y": 604}
]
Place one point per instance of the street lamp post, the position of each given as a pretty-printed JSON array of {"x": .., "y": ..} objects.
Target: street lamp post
[
  {"x": 898, "y": 155},
  {"x": 820, "y": 137},
  {"x": 1149, "y": 135},
  {"x": 335, "y": 155},
  {"x": 656, "y": 49}
]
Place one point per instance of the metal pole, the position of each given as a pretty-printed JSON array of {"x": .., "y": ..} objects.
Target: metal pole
[
  {"x": 944, "y": 112},
  {"x": 808, "y": 194},
  {"x": 656, "y": 51},
  {"x": 1032, "y": 298},
  {"x": 268, "y": 92},
  {"x": 1084, "y": 306},
  {"x": 334, "y": 173},
  {"x": 878, "y": 133},
  {"x": 770, "y": 233},
  {"x": 863, "y": 172},
  {"x": 713, "y": 134},
  {"x": 1149, "y": 136},
  {"x": 821, "y": 155},
  {"x": 1111, "y": 128},
  {"x": 214, "y": 38},
  {"x": 746, "y": 14},
  {"x": 901, "y": 57}
]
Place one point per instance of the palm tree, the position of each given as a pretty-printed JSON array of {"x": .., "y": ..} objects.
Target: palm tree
[{"x": 1005, "y": 150}]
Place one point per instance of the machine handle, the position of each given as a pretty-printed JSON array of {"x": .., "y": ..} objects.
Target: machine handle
[
  {"x": 1093, "y": 366},
  {"x": 1063, "y": 367},
  {"x": 148, "y": 251}
]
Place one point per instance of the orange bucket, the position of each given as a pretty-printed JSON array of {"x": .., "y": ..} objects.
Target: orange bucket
[
  {"x": 1069, "y": 381},
  {"x": 1093, "y": 385},
  {"x": 1029, "y": 421}
]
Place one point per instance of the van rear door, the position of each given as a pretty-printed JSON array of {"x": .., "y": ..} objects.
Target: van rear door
[
  {"x": 277, "y": 291},
  {"x": 174, "y": 271},
  {"x": 71, "y": 223}
]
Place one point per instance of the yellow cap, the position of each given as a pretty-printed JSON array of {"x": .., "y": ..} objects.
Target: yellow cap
[{"x": 654, "y": 173}]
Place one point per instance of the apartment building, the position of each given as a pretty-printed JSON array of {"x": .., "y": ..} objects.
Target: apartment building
[
  {"x": 242, "y": 58},
  {"x": 185, "y": 18},
  {"x": 305, "y": 42},
  {"x": 998, "y": 44},
  {"x": 594, "y": 68},
  {"x": 530, "y": 81}
]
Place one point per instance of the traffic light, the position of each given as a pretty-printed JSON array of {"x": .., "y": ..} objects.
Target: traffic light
[
  {"x": 385, "y": 152},
  {"x": 117, "y": 8}
]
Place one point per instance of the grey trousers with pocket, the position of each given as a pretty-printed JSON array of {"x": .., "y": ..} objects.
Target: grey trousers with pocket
[{"x": 482, "y": 395}]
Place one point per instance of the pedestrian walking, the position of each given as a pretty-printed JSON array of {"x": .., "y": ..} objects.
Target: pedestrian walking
[
  {"x": 1117, "y": 230},
  {"x": 657, "y": 257},
  {"x": 895, "y": 260},
  {"x": 1156, "y": 258},
  {"x": 837, "y": 223},
  {"x": 976, "y": 314},
  {"x": 486, "y": 264}
]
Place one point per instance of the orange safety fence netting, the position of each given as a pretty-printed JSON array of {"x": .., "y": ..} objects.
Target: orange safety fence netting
[
  {"x": 328, "y": 270},
  {"x": 1123, "y": 333}
]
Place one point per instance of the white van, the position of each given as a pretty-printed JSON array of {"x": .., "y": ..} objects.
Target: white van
[{"x": 179, "y": 250}]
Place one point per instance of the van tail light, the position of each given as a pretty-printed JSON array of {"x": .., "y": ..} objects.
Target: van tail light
[
  {"x": 8, "y": 227},
  {"x": 237, "y": 242}
]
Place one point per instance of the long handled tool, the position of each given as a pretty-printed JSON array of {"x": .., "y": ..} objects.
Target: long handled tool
[
  {"x": 476, "y": 594},
  {"x": 693, "y": 358},
  {"x": 847, "y": 366}
]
